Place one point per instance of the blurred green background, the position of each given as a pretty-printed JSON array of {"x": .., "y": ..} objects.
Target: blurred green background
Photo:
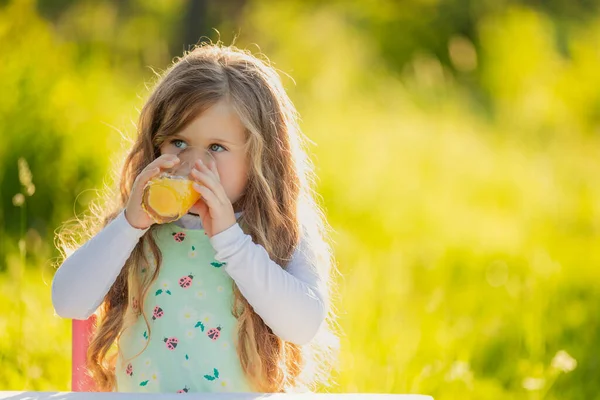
[{"x": 458, "y": 148}]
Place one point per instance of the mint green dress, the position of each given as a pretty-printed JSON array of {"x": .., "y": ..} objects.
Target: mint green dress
[{"x": 191, "y": 345}]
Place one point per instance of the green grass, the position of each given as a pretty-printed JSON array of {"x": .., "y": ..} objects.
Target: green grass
[
  {"x": 467, "y": 225},
  {"x": 40, "y": 357}
]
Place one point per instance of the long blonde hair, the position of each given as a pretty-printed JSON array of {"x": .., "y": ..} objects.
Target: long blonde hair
[{"x": 279, "y": 209}]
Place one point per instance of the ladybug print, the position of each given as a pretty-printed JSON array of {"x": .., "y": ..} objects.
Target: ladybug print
[
  {"x": 158, "y": 313},
  {"x": 129, "y": 370},
  {"x": 171, "y": 343},
  {"x": 184, "y": 390},
  {"x": 135, "y": 305},
  {"x": 179, "y": 236},
  {"x": 214, "y": 333},
  {"x": 186, "y": 281}
]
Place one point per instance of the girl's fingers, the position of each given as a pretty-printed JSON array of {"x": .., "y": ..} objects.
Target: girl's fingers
[
  {"x": 164, "y": 161},
  {"x": 146, "y": 175},
  {"x": 212, "y": 167},
  {"x": 209, "y": 197},
  {"x": 204, "y": 178},
  {"x": 204, "y": 214},
  {"x": 203, "y": 210},
  {"x": 210, "y": 182},
  {"x": 169, "y": 163},
  {"x": 212, "y": 170},
  {"x": 154, "y": 168}
]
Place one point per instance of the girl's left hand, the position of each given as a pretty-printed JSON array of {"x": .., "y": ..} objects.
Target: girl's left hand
[{"x": 215, "y": 208}]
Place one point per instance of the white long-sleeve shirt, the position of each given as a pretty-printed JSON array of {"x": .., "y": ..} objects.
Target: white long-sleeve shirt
[{"x": 292, "y": 302}]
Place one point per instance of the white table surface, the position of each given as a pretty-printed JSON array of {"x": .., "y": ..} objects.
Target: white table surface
[{"x": 8, "y": 395}]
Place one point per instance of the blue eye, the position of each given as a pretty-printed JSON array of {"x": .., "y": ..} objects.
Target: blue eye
[
  {"x": 215, "y": 147},
  {"x": 178, "y": 143}
]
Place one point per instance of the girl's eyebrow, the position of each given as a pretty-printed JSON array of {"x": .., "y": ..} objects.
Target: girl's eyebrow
[
  {"x": 212, "y": 139},
  {"x": 220, "y": 140}
]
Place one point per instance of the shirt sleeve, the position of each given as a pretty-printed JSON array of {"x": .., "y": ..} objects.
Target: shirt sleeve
[
  {"x": 292, "y": 302},
  {"x": 85, "y": 277}
]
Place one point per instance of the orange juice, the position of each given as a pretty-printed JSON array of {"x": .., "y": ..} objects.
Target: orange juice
[{"x": 168, "y": 198}]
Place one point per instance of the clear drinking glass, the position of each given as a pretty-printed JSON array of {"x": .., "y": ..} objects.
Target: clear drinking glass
[{"x": 170, "y": 195}]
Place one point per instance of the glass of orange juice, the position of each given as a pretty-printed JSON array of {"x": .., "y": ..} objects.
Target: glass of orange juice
[{"x": 170, "y": 195}]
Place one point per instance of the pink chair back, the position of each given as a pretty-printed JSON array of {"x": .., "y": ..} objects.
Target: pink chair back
[{"x": 82, "y": 333}]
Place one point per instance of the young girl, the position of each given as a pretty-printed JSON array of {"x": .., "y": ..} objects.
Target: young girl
[{"x": 232, "y": 295}]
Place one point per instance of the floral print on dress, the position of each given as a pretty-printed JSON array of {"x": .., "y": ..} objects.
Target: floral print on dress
[
  {"x": 153, "y": 378},
  {"x": 224, "y": 385},
  {"x": 143, "y": 379},
  {"x": 188, "y": 316},
  {"x": 198, "y": 282},
  {"x": 187, "y": 363},
  {"x": 206, "y": 318},
  {"x": 163, "y": 288},
  {"x": 217, "y": 264},
  {"x": 200, "y": 294},
  {"x": 188, "y": 347},
  {"x": 200, "y": 325},
  {"x": 213, "y": 376},
  {"x": 189, "y": 334}
]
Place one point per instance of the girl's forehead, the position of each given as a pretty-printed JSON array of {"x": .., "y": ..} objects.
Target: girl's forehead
[{"x": 219, "y": 122}]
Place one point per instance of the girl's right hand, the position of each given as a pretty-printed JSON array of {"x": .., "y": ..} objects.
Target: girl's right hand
[{"x": 134, "y": 213}]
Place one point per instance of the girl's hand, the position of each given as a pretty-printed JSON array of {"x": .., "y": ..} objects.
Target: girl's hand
[
  {"x": 134, "y": 213},
  {"x": 216, "y": 210}
]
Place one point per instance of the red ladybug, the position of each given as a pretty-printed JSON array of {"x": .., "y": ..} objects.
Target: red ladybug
[
  {"x": 135, "y": 305},
  {"x": 129, "y": 370},
  {"x": 158, "y": 313},
  {"x": 179, "y": 236},
  {"x": 214, "y": 333},
  {"x": 171, "y": 342},
  {"x": 184, "y": 390},
  {"x": 186, "y": 281}
]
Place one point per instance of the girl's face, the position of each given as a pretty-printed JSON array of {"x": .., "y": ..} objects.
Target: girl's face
[{"x": 219, "y": 131}]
